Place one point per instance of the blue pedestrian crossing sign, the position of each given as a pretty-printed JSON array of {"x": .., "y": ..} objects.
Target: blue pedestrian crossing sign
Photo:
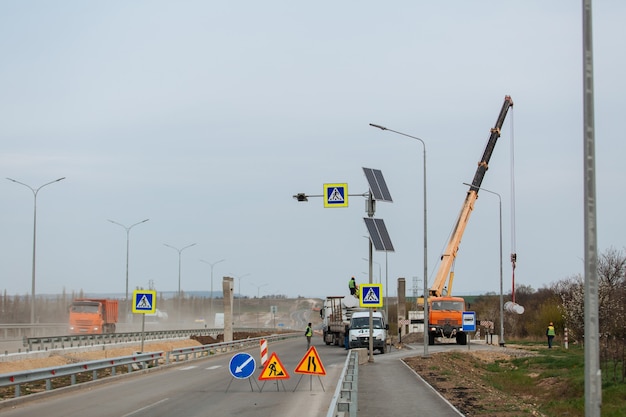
[
  {"x": 371, "y": 295},
  {"x": 144, "y": 301},
  {"x": 335, "y": 195}
]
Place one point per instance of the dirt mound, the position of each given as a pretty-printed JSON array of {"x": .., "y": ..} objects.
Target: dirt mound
[{"x": 208, "y": 340}]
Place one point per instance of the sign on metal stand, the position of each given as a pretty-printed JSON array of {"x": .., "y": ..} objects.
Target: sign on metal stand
[
  {"x": 144, "y": 302},
  {"x": 469, "y": 325}
]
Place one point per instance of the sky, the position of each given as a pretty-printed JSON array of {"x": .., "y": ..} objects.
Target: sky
[{"x": 207, "y": 117}]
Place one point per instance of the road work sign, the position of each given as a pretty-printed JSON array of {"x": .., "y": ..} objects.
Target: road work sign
[
  {"x": 144, "y": 301},
  {"x": 311, "y": 363},
  {"x": 273, "y": 369}
]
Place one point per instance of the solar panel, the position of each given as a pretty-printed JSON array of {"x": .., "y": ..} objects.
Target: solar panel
[
  {"x": 377, "y": 184},
  {"x": 378, "y": 234}
]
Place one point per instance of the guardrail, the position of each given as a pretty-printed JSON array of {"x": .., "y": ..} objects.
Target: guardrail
[
  {"x": 80, "y": 340},
  {"x": 16, "y": 378},
  {"x": 145, "y": 360},
  {"x": 196, "y": 352},
  {"x": 345, "y": 401}
]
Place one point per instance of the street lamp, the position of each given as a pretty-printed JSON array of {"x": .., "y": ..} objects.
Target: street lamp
[
  {"x": 127, "y": 246},
  {"x": 35, "y": 191},
  {"x": 501, "y": 341},
  {"x": 180, "y": 251},
  {"x": 425, "y": 237},
  {"x": 239, "y": 280},
  {"x": 211, "y": 305},
  {"x": 258, "y": 296},
  {"x": 380, "y": 273}
]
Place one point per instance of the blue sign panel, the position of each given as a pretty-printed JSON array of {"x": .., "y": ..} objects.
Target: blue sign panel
[
  {"x": 242, "y": 365},
  {"x": 371, "y": 295},
  {"x": 469, "y": 321},
  {"x": 144, "y": 301}
]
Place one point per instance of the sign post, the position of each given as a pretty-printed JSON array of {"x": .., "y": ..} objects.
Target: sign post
[
  {"x": 469, "y": 325},
  {"x": 144, "y": 302}
]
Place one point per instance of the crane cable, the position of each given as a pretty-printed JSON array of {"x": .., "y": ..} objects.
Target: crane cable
[{"x": 513, "y": 250}]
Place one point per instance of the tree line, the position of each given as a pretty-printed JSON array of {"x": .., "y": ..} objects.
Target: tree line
[{"x": 562, "y": 303}]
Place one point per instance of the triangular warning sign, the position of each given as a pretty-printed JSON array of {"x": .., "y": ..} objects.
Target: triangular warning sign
[
  {"x": 335, "y": 195},
  {"x": 371, "y": 295},
  {"x": 144, "y": 303},
  {"x": 311, "y": 363},
  {"x": 273, "y": 369}
]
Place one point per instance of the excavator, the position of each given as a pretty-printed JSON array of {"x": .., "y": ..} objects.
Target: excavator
[{"x": 445, "y": 317}]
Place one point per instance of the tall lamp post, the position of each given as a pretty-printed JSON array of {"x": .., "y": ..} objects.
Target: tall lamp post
[
  {"x": 501, "y": 341},
  {"x": 239, "y": 304},
  {"x": 380, "y": 273},
  {"x": 258, "y": 296},
  {"x": 180, "y": 251},
  {"x": 211, "y": 305},
  {"x": 35, "y": 191},
  {"x": 127, "y": 228},
  {"x": 425, "y": 236}
]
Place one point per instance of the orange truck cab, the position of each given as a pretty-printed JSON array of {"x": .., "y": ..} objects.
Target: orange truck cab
[
  {"x": 445, "y": 319},
  {"x": 93, "y": 316}
]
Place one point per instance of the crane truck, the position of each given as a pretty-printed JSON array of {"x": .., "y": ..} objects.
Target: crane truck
[{"x": 445, "y": 312}]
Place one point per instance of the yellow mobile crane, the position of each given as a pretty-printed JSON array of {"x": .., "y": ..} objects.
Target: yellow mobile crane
[{"x": 445, "y": 317}]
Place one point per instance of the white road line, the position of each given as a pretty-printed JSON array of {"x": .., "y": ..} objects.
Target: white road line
[
  {"x": 145, "y": 408},
  {"x": 210, "y": 368},
  {"x": 186, "y": 368}
]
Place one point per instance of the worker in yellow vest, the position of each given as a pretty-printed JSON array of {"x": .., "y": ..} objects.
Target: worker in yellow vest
[{"x": 550, "y": 333}]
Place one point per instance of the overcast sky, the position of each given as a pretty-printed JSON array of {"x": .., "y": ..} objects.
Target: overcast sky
[{"x": 207, "y": 117}]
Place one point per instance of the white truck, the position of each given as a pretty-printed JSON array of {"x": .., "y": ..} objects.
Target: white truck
[{"x": 359, "y": 333}]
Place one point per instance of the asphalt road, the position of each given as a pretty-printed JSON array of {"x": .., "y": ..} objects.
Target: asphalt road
[
  {"x": 206, "y": 387},
  {"x": 199, "y": 388}
]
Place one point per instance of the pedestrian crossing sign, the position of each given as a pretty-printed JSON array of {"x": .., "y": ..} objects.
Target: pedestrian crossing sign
[
  {"x": 335, "y": 195},
  {"x": 371, "y": 295},
  {"x": 144, "y": 301}
]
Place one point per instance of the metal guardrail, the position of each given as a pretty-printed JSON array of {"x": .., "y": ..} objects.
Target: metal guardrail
[
  {"x": 196, "y": 352},
  {"x": 80, "y": 340},
  {"x": 47, "y": 374},
  {"x": 345, "y": 401},
  {"x": 149, "y": 359}
]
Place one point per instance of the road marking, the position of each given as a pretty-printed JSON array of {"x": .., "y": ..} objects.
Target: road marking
[
  {"x": 186, "y": 368},
  {"x": 145, "y": 408},
  {"x": 210, "y": 368}
]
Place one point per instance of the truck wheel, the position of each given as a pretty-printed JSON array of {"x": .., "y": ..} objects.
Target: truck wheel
[
  {"x": 431, "y": 339},
  {"x": 461, "y": 339}
]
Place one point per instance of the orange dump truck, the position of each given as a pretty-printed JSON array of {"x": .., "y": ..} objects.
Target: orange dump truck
[{"x": 93, "y": 316}]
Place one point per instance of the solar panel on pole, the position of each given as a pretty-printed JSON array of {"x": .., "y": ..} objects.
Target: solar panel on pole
[
  {"x": 377, "y": 184},
  {"x": 378, "y": 234}
]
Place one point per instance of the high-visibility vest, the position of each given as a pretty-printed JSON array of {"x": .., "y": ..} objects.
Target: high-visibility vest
[
  {"x": 551, "y": 331},
  {"x": 308, "y": 332}
]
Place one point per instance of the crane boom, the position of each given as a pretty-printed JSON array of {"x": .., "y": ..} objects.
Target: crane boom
[{"x": 449, "y": 255}]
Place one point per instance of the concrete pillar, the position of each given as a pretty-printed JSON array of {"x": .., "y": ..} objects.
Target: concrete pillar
[
  {"x": 227, "y": 290},
  {"x": 401, "y": 303}
]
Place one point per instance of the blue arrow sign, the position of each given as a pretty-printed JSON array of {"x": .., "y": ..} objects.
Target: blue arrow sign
[{"x": 242, "y": 365}]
